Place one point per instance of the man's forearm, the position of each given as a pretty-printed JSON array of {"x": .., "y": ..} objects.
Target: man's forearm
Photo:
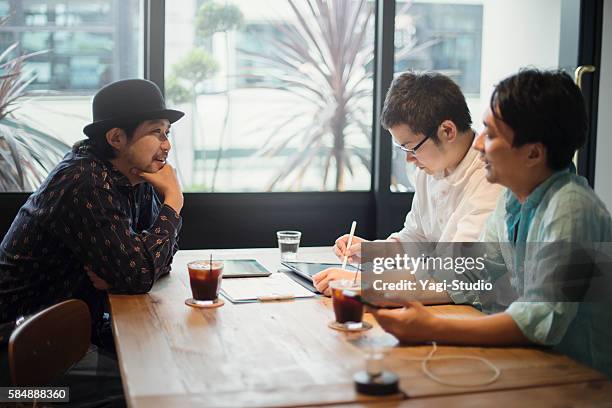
[{"x": 496, "y": 329}]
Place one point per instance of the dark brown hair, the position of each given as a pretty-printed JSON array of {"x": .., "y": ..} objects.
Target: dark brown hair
[{"x": 423, "y": 101}]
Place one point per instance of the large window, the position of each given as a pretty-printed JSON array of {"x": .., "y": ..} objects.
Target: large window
[
  {"x": 278, "y": 94},
  {"x": 79, "y": 46}
]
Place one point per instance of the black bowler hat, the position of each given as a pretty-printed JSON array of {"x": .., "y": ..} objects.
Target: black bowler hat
[{"x": 128, "y": 101}]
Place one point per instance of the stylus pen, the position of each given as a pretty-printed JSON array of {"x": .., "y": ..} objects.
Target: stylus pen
[{"x": 350, "y": 241}]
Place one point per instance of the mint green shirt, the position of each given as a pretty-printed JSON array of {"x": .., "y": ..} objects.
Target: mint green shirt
[{"x": 561, "y": 209}]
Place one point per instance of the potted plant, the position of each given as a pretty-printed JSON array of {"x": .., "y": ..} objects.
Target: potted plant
[{"x": 26, "y": 154}]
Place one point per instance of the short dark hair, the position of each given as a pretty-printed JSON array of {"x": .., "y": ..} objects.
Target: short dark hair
[
  {"x": 100, "y": 145},
  {"x": 543, "y": 107},
  {"x": 423, "y": 101}
]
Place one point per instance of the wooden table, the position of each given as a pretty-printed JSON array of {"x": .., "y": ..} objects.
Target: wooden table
[{"x": 283, "y": 354}]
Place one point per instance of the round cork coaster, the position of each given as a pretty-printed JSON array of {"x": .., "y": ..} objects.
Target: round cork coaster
[{"x": 204, "y": 304}]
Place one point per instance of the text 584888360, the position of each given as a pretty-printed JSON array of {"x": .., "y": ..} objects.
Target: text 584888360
[{"x": 31, "y": 394}]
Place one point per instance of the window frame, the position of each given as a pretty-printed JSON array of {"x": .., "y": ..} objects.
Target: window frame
[{"x": 233, "y": 220}]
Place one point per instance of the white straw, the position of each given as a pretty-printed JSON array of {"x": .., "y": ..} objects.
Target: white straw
[{"x": 350, "y": 241}]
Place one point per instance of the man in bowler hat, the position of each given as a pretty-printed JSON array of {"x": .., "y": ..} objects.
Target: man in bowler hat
[{"x": 107, "y": 217}]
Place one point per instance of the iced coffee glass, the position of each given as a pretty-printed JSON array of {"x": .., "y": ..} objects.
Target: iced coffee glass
[
  {"x": 348, "y": 311},
  {"x": 205, "y": 281}
]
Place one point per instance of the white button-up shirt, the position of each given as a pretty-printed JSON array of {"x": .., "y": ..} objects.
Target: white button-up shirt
[{"x": 450, "y": 208}]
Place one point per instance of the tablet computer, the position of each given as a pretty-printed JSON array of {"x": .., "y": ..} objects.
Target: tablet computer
[
  {"x": 243, "y": 268},
  {"x": 308, "y": 269}
]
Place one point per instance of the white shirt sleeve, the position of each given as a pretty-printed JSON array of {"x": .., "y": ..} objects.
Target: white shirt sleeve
[{"x": 413, "y": 229}]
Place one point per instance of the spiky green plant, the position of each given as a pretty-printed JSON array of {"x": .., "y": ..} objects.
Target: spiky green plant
[
  {"x": 324, "y": 58},
  {"x": 26, "y": 155}
]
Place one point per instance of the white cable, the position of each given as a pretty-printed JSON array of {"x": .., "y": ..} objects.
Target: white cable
[{"x": 426, "y": 360}]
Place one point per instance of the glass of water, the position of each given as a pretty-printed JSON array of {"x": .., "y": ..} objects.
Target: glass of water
[{"x": 288, "y": 243}]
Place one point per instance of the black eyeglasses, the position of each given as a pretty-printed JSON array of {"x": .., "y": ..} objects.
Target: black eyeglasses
[{"x": 415, "y": 148}]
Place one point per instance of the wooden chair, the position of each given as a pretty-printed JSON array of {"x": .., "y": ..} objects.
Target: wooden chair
[{"x": 49, "y": 343}]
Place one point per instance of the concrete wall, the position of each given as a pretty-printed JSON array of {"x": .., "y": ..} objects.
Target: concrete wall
[
  {"x": 603, "y": 163},
  {"x": 517, "y": 34}
]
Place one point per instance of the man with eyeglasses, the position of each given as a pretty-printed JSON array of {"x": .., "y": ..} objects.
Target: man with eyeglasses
[{"x": 428, "y": 118}]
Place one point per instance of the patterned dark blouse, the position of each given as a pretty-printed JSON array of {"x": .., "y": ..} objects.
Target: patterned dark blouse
[{"x": 85, "y": 214}]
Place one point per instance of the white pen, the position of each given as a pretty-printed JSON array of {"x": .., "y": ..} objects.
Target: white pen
[{"x": 350, "y": 241}]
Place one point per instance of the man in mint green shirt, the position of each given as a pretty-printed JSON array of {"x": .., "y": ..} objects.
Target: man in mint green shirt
[{"x": 536, "y": 121}]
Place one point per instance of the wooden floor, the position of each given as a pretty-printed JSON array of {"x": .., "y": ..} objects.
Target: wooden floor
[{"x": 283, "y": 354}]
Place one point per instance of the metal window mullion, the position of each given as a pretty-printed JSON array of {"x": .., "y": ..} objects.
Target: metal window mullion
[
  {"x": 589, "y": 53},
  {"x": 383, "y": 75},
  {"x": 154, "y": 41}
]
